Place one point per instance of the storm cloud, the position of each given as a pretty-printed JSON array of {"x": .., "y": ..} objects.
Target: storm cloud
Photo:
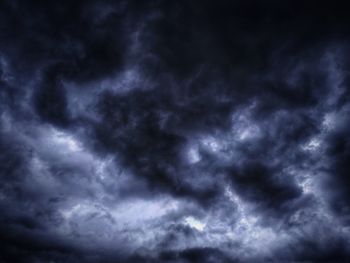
[{"x": 174, "y": 131}]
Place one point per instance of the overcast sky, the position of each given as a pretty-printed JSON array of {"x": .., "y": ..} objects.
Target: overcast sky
[{"x": 174, "y": 131}]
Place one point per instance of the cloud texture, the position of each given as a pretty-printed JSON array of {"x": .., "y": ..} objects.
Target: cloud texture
[{"x": 174, "y": 131}]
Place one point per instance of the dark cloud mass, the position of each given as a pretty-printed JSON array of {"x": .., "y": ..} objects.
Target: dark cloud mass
[{"x": 174, "y": 131}]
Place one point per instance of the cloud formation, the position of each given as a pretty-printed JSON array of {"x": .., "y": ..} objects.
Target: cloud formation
[{"x": 184, "y": 131}]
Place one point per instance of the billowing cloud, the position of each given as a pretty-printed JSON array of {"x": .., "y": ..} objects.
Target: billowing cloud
[{"x": 184, "y": 131}]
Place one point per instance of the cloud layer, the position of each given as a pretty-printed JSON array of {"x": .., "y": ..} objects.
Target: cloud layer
[{"x": 183, "y": 131}]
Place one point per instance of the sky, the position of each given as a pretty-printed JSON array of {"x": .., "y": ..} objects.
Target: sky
[{"x": 174, "y": 131}]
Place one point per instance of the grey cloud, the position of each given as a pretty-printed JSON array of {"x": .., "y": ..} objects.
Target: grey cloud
[{"x": 187, "y": 131}]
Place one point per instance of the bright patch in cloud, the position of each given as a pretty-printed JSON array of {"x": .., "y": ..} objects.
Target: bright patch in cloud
[{"x": 195, "y": 223}]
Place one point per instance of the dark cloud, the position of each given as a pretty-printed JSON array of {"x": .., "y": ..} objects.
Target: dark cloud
[
  {"x": 337, "y": 184},
  {"x": 261, "y": 184},
  {"x": 186, "y": 131},
  {"x": 195, "y": 255},
  {"x": 332, "y": 251}
]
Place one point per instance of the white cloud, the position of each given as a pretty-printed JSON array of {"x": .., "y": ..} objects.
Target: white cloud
[{"x": 195, "y": 223}]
